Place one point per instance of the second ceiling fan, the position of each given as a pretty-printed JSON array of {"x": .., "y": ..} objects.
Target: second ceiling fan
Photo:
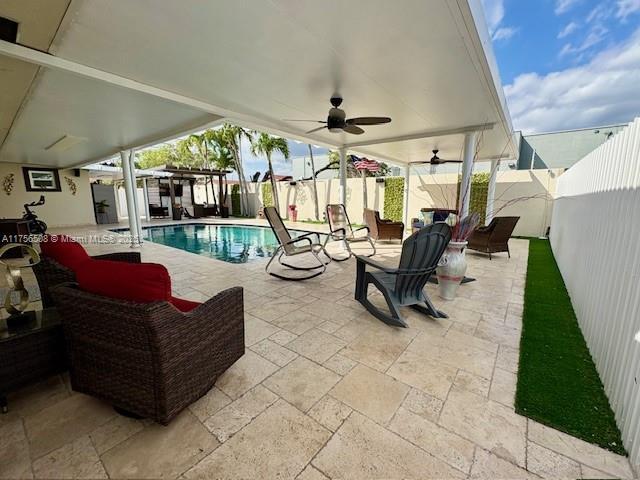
[{"x": 337, "y": 120}]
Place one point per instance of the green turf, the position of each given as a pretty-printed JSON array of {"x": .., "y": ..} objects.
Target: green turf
[{"x": 558, "y": 384}]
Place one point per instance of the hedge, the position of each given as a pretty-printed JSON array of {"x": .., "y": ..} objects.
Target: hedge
[
  {"x": 393, "y": 197},
  {"x": 267, "y": 195},
  {"x": 236, "y": 211}
]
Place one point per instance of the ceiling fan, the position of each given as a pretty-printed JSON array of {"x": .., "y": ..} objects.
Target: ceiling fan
[
  {"x": 436, "y": 160},
  {"x": 337, "y": 122}
]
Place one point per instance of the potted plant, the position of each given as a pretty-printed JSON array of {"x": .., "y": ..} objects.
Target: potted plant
[
  {"x": 453, "y": 264},
  {"x": 177, "y": 211},
  {"x": 101, "y": 211},
  {"x": 293, "y": 213}
]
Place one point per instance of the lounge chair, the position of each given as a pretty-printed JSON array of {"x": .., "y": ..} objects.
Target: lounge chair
[
  {"x": 494, "y": 237},
  {"x": 342, "y": 231},
  {"x": 381, "y": 229},
  {"x": 290, "y": 247},
  {"x": 404, "y": 286}
]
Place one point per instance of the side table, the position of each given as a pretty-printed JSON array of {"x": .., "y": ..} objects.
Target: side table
[{"x": 30, "y": 350}]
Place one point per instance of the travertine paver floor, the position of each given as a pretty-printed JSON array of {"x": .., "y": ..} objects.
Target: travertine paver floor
[{"x": 324, "y": 390}]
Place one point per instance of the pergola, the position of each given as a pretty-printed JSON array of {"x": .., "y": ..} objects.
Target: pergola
[{"x": 113, "y": 77}]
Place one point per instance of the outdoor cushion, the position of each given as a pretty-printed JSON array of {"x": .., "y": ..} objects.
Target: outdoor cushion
[
  {"x": 64, "y": 250},
  {"x": 137, "y": 282}
]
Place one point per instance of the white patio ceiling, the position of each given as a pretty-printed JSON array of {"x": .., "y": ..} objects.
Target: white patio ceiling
[{"x": 427, "y": 64}]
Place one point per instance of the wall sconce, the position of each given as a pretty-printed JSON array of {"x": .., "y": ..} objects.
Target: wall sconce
[
  {"x": 379, "y": 180},
  {"x": 293, "y": 184}
]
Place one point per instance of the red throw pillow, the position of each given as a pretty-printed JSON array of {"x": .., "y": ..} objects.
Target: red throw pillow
[
  {"x": 138, "y": 282},
  {"x": 64, "y": 250},
  {"x": 183, "y": 305}
]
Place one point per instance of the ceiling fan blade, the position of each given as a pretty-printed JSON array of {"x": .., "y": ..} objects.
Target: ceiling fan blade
[
  {"x": 300, "y": 120},
  {"x": 317, "y": 129},
  {"x": 450, "y": 161},
  {"x": 354, "y": 129},
  {"x": 367, "y": 120}
]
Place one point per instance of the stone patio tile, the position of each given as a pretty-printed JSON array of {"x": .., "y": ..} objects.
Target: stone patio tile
[
  {"x": 579, "y": 450},
  {"x": 488, "y": 466},
  {"x": 246, "y": 373},
  {"x": 340, "y": 364},
  {"x": 283, "y": 337},
  {"x": 236, "y": 415},
  {"x": 442, "y": 444},
  {"x": 329, "y": 412},
  {"x": 32, "y": 399},
  {"x": 311, "y": 473},
  {"x": 379, "y": 346},
  {"x": 77, "y": 459},
  {"x": 330, "y": 326},
  {"x": 548, "y": 464},
  {"x": 363, "y": 449},
  {"x": 298, "y": 322},
  {"x": 277, "y": 444},
  {"x": 65, "y": 421},
  {"x": 274, "y": 353},
  {"x": 159, "y": 451},
  {"x": 210, "y": 404},
  {"x": 423, "y": 404},
  {"x": 116, "y": 430},
  {"x": 317, "y": 345},
  {"x": 14, "y": 451},
  {"x": 473, "y": 341},
  {"x": 417, "y": 320},
  {"x": 592, "y": 473},
  {"x": 508, "y": 359},
  {"x": 256, "y": 330},
  {"x": 503, "y": 387},
  {"x": 498, "y": 333},
  {"x": 450, "y": 351},
  {"x": 420, "y": 371},
  {"x": 372, "y": 393},
  {"x": 472, "y": 383},
  {"x": 302, "y": 383},
  {"x": 275, "y": 308},
  {"x": 487, "y": 423},
  {"x": 328, "y": 309}
]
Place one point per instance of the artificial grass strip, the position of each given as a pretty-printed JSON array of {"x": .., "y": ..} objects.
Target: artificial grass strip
[{"x": 558, "y": 384}]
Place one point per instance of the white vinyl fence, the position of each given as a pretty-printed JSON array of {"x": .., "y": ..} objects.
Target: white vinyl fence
[{"x": 595, "y": 236}]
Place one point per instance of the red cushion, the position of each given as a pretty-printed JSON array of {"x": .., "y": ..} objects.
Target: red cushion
[
  {"x": 64, "y": 250},
  {"x": 138, "y": 282},
  {"x": 183, "y": 305}
]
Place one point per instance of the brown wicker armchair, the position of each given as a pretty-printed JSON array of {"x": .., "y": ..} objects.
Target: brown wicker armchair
[
  {"x": 149, "y": 359},
  {"x": 50, "y": 273},
  {"x": 494, "y": 237},
  {"x": 380, "y": 229}
]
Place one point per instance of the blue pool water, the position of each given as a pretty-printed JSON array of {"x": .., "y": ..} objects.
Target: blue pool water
[{"x": 230, "y": 243}]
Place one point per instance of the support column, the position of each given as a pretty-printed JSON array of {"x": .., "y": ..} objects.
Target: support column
[
  {"x": 491, "y": 191},
  {"x": 131, "y": 214},
  {"x": 405, "y": 217},
  {"x": 134, "y": 182},
  {"x": 145, "y": 191},
  {"x": 343, "y": 175},
  {"x": 467, "y": 169}
]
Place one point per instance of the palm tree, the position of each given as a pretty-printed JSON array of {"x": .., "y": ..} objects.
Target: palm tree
[
  {"x": 231, "y": 136},
  {"x": 266, "y": 145}
]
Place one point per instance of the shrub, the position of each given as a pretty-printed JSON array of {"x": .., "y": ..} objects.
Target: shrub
[
  {"x": 393, "y": 197},
  {"x": 267, "y": 195},
  {"x": 235, "y": 200}
]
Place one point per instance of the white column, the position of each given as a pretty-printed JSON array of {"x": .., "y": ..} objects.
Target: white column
[
  {"x": 467, "y": 169},
  {"x": 130, "y": 194},
  {"x": 134, "y": 182},
  {"x": 343, "y": 175},
  {"x": 145, "y": 191},
  {"x": 405, "y": 216},
  {"x": 491, "y": 191}
]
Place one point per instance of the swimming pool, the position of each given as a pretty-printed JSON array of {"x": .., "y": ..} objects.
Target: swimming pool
[{"x": 229, "y": 243}]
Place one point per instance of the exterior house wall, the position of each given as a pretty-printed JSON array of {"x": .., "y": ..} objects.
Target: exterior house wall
[{"x": 61, "y": 209}]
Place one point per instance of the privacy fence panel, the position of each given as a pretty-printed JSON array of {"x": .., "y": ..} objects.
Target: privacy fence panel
[{"x": 595, "y": 236}]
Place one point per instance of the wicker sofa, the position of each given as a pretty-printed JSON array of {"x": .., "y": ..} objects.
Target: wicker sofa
[{"x": 381, "y": 229}]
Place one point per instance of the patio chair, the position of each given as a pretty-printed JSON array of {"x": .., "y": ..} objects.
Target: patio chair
[
  {"x": 132, "y": 344},
  {"x": 60, "y": 256},
  {"x": 404, "y": 286},
  {"x": 495, "y": 237},
  {"x": 291, "y": 247},
  {"x": 381, "y": 229},
  {"x": 342, "y": 231}
]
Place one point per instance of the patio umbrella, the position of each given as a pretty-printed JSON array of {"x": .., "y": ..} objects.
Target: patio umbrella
[{"x": 364, "y": 165}]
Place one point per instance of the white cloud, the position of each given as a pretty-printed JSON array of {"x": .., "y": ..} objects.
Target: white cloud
[
  {"x": 568, "y": 29},
  {"x": 563, "y": 6},
  {"x": 627, "y": 7},
  {"x": 596, "y": 35},
  {"x": 504, "y": 33},
  {"x": 602, "y": 91},
  {"x": 493, "y": 13}
]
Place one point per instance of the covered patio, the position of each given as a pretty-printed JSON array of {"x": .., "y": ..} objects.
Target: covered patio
[{"x": 323, "y": 390}]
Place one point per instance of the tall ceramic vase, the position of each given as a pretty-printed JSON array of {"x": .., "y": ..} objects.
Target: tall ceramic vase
[{"x": 451, "y": 270}]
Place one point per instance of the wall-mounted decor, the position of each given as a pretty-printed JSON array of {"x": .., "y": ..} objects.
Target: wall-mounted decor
[
  {"x": 72, "y": 185},
  {"x": 7, "y": 183},
  {"x": 41, "y": 179}
]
